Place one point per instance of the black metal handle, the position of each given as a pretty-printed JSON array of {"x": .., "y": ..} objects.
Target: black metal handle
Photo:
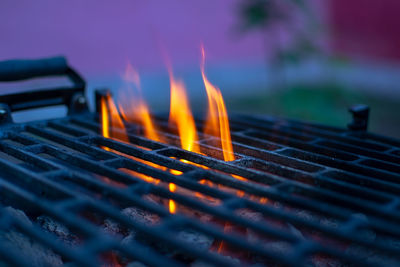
[{"x": 16, "y": 70}]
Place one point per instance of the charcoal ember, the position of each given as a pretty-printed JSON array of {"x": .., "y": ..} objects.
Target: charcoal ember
[
  {"x": 58, "y": 229},
  {"x": 374, "y": 258},
  {"x": 196, "y": 239},
  {"x": 250, "y": 214},
  {"x": 309, "y": 216},
  {"x": 131, "y": 237},
  {"x": 276, "y": 246},
  {"x": 370, "y": 255},
  {"x": 203, "y": 217},
  {"x": 324, "y": 261},
  {"x": 209, "y": 200},
  {"x": 363, "y": 232},
  {"x": 70, "y": 264},
  {"x": 328, "y": 222},
  {"x": 136, "y": 264},
  {"x": 281, "y": 247},
  {"x": 18, "y": 214},
  {"x": 273, "y": 246},
  {"x": 296, "y": 232},
  {"x": 191, "y": 237},
  {"x": 154, "y": 199},
  {"x": 128, "y": 241},
  {"x": 253, "y": 216},
  {"x": 27, "y": 248},
  {"x": 141, "y": 215},
  {"x": 144, "y": 217},
  {"x": 200, "y": 263},
  {"x": 113, "y": 228}
]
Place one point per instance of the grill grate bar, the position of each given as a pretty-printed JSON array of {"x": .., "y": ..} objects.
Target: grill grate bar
[
  {"x": 350, "y": 202},
  {"x": 86, "y": 256},
  {"x": 309, "y": 130},
  {"x": 171, "y": 196},
  {"x": 160, "y": 234},
  {"x": 341, "y": 164},
  {"x": 286, "y": 164},
  {"x": 238, "y": 242}
]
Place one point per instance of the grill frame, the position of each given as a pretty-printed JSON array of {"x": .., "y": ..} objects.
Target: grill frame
[
  {"x": 351, "y": 176},
  {"x": 281, "y": 189}
]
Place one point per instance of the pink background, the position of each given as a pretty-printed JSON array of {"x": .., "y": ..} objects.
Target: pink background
[{"x": 101, "y": 36}]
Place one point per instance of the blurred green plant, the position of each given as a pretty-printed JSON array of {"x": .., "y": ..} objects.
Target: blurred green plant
[
  {"x": 289, "y": 28},
  {"x": 321, "y": 103}
]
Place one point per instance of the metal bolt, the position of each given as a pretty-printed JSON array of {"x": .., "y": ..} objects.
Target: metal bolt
[
  {"x": 78, "y": 104},
  {"x": 3, "y": 114},
  {"x": 81, "y": 100},
  {"x": 360, "y": 114}
]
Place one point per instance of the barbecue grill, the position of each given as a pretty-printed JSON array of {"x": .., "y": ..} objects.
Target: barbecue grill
[{"x": 309, "y": 195}]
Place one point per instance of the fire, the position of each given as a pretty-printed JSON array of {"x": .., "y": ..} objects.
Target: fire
[
  {"x": 104, "y": 118},
  {"x": 111, "y": 117},
  {"x": 139, "y": 112},
  {"x": 132, "y": 106},
  {"x": 217, "y": 119},
  {"x": 132, "y": 109},
  {"x": 181, "y": 116},
  {"x": 172, "y": 205}
]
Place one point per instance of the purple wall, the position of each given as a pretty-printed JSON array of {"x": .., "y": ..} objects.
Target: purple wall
[
  {"x": 101, "y": 36},
  {"x": 366, "y": 29}
]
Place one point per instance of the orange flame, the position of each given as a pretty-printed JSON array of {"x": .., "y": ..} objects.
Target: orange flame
[
  {"x": 217, "y": 120},
  {"x": 108, "y": 108},
  {"x": 181, "y": 116},
  {"x": 172, "y": 205},
  {"x": 132, "y": 106},
  {"x": 109, "y": 113},
  {"x": 139, "y": 112},
  {"x": 104, "y": 118}
]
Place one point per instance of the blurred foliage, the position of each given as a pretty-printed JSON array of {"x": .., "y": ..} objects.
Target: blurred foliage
[
  {"x": 274, "y": 18},
  {"x": 326, "y": 104},
  {"x": 259, "y": 14},
  {"x": 323, "y": 103},
  {"x": 266, "y": 13}
]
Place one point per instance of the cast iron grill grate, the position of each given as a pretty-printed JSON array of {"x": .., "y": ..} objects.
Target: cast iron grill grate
[
  {"x": 54, "y": 167},
  {"x": 312, "y": 195}
]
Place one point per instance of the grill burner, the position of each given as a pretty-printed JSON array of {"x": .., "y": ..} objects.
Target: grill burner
[{"x": 313, "y": 195}]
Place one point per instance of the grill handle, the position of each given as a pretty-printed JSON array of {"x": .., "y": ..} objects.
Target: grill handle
[{"x": 16, "y": 70}]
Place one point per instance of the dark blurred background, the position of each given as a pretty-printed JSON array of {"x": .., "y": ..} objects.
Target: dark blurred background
[{"x": 303, "y": 59}]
